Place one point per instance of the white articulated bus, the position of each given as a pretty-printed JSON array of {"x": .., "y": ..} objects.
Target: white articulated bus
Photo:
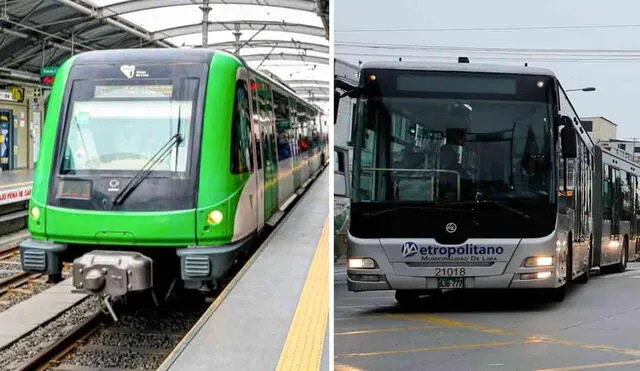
[{"x": 477, "y": 177}]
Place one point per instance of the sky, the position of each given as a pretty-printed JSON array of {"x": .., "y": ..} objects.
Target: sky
[{"x": 588, "y": 25}]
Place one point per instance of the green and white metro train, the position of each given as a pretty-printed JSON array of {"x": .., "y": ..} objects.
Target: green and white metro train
[{"x": 163, "y": 165}]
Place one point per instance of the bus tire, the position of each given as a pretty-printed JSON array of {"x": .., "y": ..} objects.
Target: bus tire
[
  {"x": 624, "y": 256},
  {"x": 408, "y": 298}
]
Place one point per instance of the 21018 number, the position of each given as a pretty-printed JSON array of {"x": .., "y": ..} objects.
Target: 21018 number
[{"x": 450, "y": 272}]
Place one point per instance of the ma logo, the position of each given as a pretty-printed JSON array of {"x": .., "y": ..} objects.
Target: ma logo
[
  {"x": 409, "y": 249},
  {"x": 128, "y": 70}
]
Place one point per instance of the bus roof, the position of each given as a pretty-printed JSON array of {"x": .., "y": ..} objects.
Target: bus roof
[{"x": 458, "y": 67}]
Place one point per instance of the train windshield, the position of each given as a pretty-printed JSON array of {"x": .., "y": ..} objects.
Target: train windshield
[
  {"x": 129, "y": 138},
  {"x": 453, "y": 138},
  {"x": 119, "y": 126}
]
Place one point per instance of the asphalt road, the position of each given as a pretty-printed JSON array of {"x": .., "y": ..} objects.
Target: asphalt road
[{"x": 597, "y": 327}]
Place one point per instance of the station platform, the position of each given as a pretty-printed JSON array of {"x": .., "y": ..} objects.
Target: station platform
[
  {"x": 15, "y": 185},
  {"x": 274, "y": 314},
  {"x": 26, "y": 316}
]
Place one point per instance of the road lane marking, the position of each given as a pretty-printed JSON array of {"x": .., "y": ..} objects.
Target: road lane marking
[
  {"x": 303, "y": 347},
  {"x": 429, "y": 318},
  {"x": 530, "y": 339},
  {"x": 438, "y": 348},
  {"x": 343, "y": 367},
  {"x": 594, "y": 365},
  {"x": 383, "y": 330}
]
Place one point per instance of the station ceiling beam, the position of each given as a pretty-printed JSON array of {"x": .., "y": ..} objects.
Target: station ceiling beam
[
  {"x": 255, "y": 25},
  {"x": 286, "y": 57},
  {"x": 275, "y": 43},
  {"x": 138, "y": 5}
]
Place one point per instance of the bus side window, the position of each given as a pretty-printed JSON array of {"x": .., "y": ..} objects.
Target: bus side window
[{"x": 241, "y": 153}]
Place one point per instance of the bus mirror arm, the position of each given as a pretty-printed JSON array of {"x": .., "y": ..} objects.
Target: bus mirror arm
[
  {"x": 562, "y": 120},
  {"x": 352, "y": 93}
]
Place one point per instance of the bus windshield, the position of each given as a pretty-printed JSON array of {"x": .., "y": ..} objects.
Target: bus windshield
[{"x": 454, "y": 142}]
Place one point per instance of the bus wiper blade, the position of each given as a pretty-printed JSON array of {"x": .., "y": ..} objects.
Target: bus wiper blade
[
  {"x": 145, "y": 170},
  {"x": 493, "y": 202},
  {"x": 419, "y": 208}
]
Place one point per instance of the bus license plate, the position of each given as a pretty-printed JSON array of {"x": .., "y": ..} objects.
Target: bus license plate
[{"x": 451, "y": 283}]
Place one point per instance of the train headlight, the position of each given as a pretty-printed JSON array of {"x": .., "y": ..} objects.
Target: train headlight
[
  {"x": 35, "y": 212},
  {"x": 362, "y": 263},
  {"x": 215, "y": 217},
  {"x": 539, "y": 261}
]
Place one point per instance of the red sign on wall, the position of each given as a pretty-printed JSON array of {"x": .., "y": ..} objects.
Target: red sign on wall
[{"x": 14, "y": 195}]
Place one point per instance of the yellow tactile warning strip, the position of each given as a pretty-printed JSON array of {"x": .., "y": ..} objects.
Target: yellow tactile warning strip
[{"x": 303, "y": 348}]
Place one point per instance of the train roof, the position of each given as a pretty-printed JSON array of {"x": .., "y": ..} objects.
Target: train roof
[
  {"x": 172, "y": 55},
  {"x": 459, "y": 67},
  {"x": 162, "y": 55}
]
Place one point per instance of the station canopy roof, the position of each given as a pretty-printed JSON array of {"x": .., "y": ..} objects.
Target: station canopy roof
[{"x": 286, "y": 37}]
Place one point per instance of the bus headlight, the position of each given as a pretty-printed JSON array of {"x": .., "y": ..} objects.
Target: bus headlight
[
  {"x": 538, "y": 261},
  {"x": 35, "y": 212},
  {"x": 362, "y": 263},
  {"x": 215, "y": 217},
  {"x": 533, "y": 276}
]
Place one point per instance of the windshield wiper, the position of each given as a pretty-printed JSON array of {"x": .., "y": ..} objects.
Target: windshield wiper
[
  {"x": 419, "y": 208},
  {"x": 493, "y": 202},
  {"x": 145, "y": 170}
]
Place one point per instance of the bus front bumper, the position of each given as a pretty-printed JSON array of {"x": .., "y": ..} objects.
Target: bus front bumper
[
  {"x": 388, "y": 275},
  {"x": 371, "y": 280}
]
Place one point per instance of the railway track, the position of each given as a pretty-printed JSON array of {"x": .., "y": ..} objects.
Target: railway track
[
  {"x": 11, "y": 274},
  {"x": 141, "y": 339},
  {"x": 15, "y": 284}
]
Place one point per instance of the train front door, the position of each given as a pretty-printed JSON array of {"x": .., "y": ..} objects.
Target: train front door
[{"x": 6, "y": 140}]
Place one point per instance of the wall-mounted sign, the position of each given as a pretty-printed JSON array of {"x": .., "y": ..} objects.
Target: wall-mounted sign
[
  {"x": 6, "y": 95},
  {"x": 17, "y": 93},
  {"x": 48, "y": 75},
  {"x": 15, "y": 195}
]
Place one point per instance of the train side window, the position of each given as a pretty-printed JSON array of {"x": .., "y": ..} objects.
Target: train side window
[
  {"x": 283, "y": 125},
  {"x": 241, "y": 153}
]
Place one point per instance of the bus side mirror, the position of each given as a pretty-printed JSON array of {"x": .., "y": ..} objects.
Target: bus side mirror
[
  {"x": 569, "y": 143},
  {"x": 563, "y": 121}
]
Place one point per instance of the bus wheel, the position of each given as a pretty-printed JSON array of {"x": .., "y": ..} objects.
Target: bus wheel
[{"x": 622, "y": 265}]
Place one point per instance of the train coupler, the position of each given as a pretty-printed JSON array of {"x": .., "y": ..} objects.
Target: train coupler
[{"x": 112, "y": 273}]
